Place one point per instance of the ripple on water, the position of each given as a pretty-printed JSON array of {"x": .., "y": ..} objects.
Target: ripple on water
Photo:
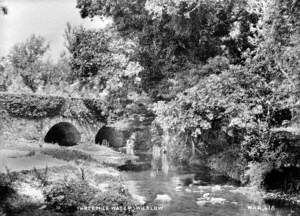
[{"x": 212, "y": 200}]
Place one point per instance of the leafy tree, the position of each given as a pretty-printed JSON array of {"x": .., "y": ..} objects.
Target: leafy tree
[
  {"x": 245, "y": 98},
  {"x": 27, "y": 60},
  {"x": 175, "y": 34},
  {"x": 104, "y": 65},
  {"x": 25, "y": 56},
  {"x": 89, "y": 51},
  {"x": 26, "y": 53}
]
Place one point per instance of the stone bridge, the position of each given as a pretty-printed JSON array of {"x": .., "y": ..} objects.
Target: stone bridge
[
  {"x": 32, "y": 116},
  {"x": 68, "y": 120}
]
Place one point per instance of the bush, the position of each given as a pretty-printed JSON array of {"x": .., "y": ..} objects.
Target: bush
[
  {"x": 255, "y": 173},
  {"x": 69, "y": 196},
  {"x": 88, "y": 49},
  {"x": 42, "y": 176},
  {"x": 113, "y": 199},
  {"x": 32, "y": 106},
  {"x": 6, "y": 191},
  {"x": 6, "y": 188},
  {"x": 96, "y": 107}
]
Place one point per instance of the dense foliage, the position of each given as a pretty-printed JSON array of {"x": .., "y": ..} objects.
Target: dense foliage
[
  {"x": 96, "y": 107},
  {"x": 103, "y": 65},
  {"x": 27, "y": 69},
  {"x": 252, "y": 97},
  {"x": 70, "y": 196},
  {"x": 31, "y": 106},
  {"x": 7, "y": 191},
  {"x": 174, "y": 37}
]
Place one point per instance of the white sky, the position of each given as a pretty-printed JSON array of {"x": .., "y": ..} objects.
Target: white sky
[{"x": 47, "y": 18}]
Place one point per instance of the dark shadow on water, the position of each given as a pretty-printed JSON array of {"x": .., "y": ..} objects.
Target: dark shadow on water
[{"x": 134, "y": 166}]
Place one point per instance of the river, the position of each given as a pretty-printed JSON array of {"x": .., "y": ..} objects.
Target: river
[
  {"x": 195, "y": 191},
  {"x": 177, "y": 199}
]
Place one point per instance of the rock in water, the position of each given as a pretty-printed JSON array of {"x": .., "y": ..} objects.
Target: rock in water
[
  {"x": 216, "y": 188},
  {"x": 205, "y": 195},
  {"x": 178, "y": 188},
  {"x": 140, "y": 199},
  {"x": 188, "y": 190},
  {"x": 202, "y": 202},
  {"x": 217, "y": 200},
  {"x": 163, "y": 198}
]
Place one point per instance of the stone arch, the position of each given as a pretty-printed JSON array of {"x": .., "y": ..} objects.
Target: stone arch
[
  {"x": 63, "y": 133},
  {"x": 87, "y": 131},
  {"x": 110, "y": 136}
]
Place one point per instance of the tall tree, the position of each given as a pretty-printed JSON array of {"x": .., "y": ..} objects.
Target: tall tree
[{"x": 174, "y": 35}]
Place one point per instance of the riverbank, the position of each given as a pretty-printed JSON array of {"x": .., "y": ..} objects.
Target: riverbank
[{"x": 47, "y": 179}]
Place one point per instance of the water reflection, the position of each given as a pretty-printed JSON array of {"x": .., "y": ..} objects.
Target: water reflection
[
  {"x": 155, "y": 162},
  {"x": 130, "y": 145},
  {"x": 164, "y": 161},
  {"x": 159, "y": 160}
]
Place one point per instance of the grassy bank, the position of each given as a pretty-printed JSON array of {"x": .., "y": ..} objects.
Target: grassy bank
[{"x": 42, "y": 179}]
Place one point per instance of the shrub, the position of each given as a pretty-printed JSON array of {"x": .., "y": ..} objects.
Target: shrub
[
  {"x": 255, "y": 173},
  {"x": 6, "y": 191},
  {"x": 96, "y": 107},
  {"x": 89, "y": 51},
  {"x": 69, "y": 196},
  {"x": 32, "y": 106},
  {"x": 228, "y": 163},
  {"x": 113, "y": 199},
  {"x": 6, "y": 188},
  {"x": 42, "y": 176}
]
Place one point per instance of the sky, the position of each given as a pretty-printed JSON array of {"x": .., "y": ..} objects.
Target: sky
[{"x": 47, "y": 18}]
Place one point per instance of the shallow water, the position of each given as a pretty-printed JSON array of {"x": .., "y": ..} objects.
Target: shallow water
[{"x": 193, "y": 200}]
